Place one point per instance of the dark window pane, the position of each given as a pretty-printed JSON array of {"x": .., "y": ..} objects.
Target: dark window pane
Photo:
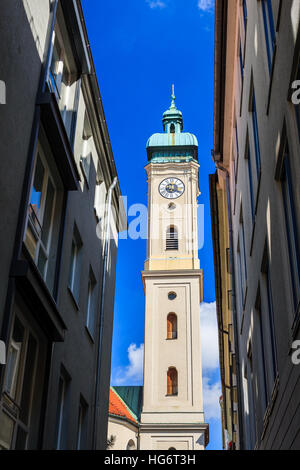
[
  {"x": 28, "y": 381},
  {"x": 14, "y": 357},
  {"x": 37, "y": 185},
  {"x": 21, "y": 439},
  {"x": 48, "y": 213}
]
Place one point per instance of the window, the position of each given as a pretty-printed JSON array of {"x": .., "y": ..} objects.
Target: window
[
  {"x": 241, "y": 64},
  {"x": 253, "y": 109},
  {"x": 82, "y": 425},
  {"x": 292, "y": 231},
  {"x": 75, "y": 264},
  {"x": 13, "y": 358},
  {"x": 86, "y": 156},
  {"x": 100, "y": 194},
  {"x": 251, "y": 396},
  {"x": 63, "y": 74},
  {"x": 268, "y": 320},
  {"x": 261, "y": 363},
  {"x": 20, "y": 386},
  {"x": 235, "y": 153},
  {"x": 250, "y": 178},
  {"x": 240, "y": 282},
  {"x": 91, "y": 304},
  {"x": 246, "y": 406},
  {"x": 62, "y": 411},
  {"x": 44, "y": 211},
  {"x": 269, "y": 27},
  {"x": 245, "y": 14},
  {"x": 172, "y": 326},
  {"x": 172, "y": 239},
  {"x": 271, "y": 321},
  {"x": 131, "y": 445},
  {"x": 242, "y": 264},
  {"x": 172, "y": 128},
  {"x": 172, "y": 382},
  {"x": 172, "y": 295}
]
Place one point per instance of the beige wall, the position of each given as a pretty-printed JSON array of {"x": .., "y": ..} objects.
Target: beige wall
[
  {"x": 124, "y": 432},
  {"x": 184, "y": 217}
]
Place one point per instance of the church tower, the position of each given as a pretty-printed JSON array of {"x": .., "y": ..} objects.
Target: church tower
[{"x": 172, "y": 415}]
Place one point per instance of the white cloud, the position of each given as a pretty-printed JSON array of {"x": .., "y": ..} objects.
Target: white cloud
[
  {"x": 156, "y": 3},
  {"x": 133, "y": 373},
  {"x": 211, "y": 397},
  {"x": 206, "y": 5},
  {"x": 209, "y": 336}
]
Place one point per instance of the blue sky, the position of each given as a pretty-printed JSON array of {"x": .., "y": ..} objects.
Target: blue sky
[{"x": 141, "y": 47}]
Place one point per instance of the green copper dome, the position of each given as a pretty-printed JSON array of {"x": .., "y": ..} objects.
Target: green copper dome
[
  {"x": 169, "y": 140},
  {"x": 172, "y": 144}
]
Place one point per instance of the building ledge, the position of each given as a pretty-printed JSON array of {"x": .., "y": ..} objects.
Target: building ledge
[
  {"x": 38, "y": 298},
  {"x": 59, "y": 140}
]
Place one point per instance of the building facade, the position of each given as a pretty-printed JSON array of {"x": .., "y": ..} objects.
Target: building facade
[
  {"x": 57, "y": 272},
  {"x": 256, "y": 215},
  {"x": 224, "y": 302}
]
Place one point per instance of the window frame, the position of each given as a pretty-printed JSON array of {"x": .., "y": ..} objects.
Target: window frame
[
  {"x": 29, "y": 225},
  {"x": 172, "y": 383},
  {"x": 172, "y": 326},
  {"x": 14, "y": 405},
  {"x": 61, "y": 426},
  {"x": 74, "y": 275},
  {"x": 82, "y": 424},
  {"x": 283, "y": 174},
  {"x": 91, "y": 302},
  {"x": 269, "y": 32}
]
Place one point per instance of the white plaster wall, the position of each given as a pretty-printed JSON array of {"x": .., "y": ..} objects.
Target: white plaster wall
[{"x": 123, "y": 431}]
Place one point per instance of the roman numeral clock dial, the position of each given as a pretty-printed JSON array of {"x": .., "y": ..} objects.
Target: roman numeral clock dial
[{"x": 171, "y": 188}]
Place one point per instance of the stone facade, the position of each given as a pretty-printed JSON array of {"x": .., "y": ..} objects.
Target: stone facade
[{"x": 256, "y": 151}]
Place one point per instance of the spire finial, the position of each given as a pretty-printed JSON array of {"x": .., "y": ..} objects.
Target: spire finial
[{"x": 173, "y": 97}]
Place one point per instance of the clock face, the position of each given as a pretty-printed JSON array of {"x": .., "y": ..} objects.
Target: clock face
[{"x": 171, "y": 188}]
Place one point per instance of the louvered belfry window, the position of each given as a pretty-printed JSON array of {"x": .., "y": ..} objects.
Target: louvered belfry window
[{"x": 172, "y": 239}]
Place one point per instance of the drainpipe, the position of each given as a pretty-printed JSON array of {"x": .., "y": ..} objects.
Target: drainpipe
[
  {"x": 234, "y": 313},
  {"x": 100, "y": 336}
]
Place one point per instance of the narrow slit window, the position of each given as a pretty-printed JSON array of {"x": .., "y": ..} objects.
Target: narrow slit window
[
  {"x": 172, "y": 326},
  {"x": 172, "y": 382}
]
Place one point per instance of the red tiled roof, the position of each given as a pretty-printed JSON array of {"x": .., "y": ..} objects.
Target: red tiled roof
[{"x": 117, "y": 407}]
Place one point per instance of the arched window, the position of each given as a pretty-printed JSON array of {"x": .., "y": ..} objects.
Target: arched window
[
  {"x": 172, "y": 238},
  {"x": 172, "y": 128},
  {"x": 171, "y": 448},
  {"x": 131, "y": 445},
  {"x": 172, "y": 326},
  {"x": 172, "y": 382}
]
